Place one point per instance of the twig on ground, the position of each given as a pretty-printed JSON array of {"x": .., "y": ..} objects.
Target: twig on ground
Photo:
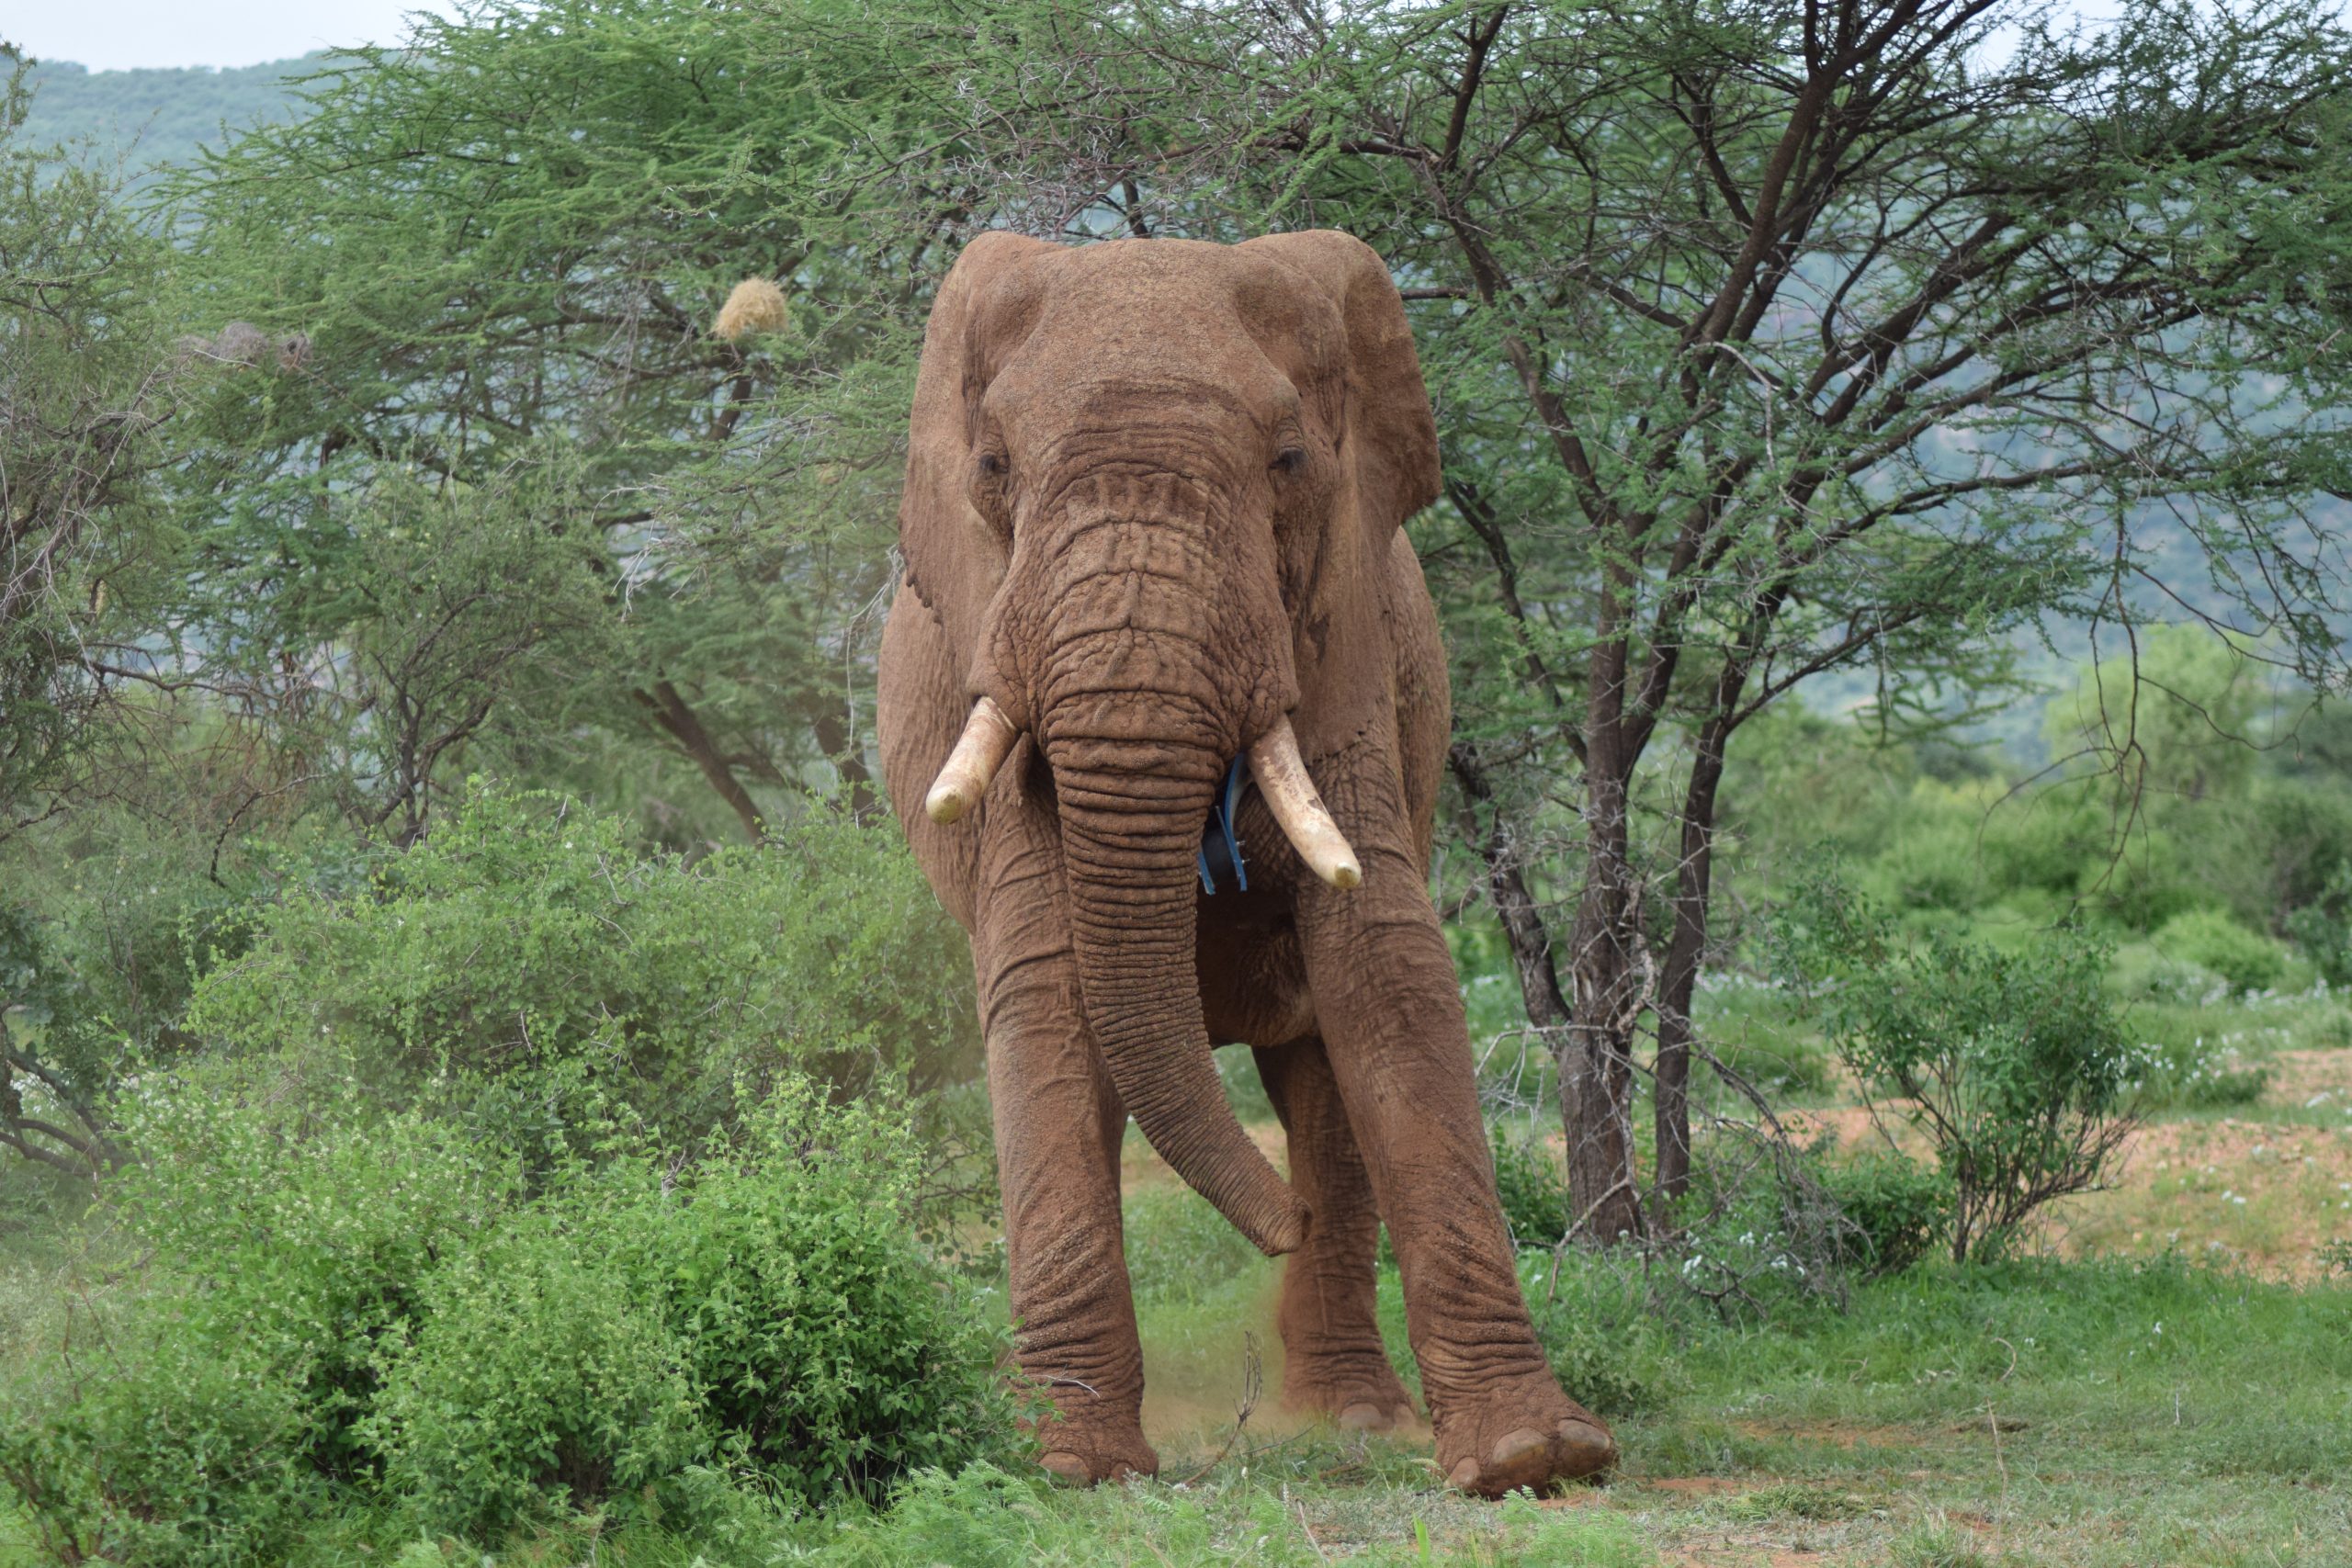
[{"x": 1253, "y": 1382}]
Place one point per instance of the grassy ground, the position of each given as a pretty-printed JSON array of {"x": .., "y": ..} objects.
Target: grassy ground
[{"x": 2168, "y": 1382}]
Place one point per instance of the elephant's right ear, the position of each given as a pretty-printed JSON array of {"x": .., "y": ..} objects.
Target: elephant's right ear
[{"x": 953, "y": 562}]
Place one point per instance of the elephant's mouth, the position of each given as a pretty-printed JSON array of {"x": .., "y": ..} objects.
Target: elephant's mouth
[
  {"x": 1272, "y": 763},
  {"x": 1222, "y": 864}
]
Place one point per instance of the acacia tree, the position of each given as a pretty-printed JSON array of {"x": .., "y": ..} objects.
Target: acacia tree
[
  {"x": 86, "y": 382},
  {"x": 1772, "y": 341},
  {"x": 493, "y": 259}
]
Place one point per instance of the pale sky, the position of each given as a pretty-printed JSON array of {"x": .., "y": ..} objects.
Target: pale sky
[{"x": 120, "y": 35}]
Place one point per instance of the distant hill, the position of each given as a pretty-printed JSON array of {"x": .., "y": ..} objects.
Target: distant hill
[{"x": 148, "y": 117}]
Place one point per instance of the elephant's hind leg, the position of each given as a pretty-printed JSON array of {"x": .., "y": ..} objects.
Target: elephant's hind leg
[
  {"x": 1058, "y": 1123},
  {"x": 1332, "y": 1357}
]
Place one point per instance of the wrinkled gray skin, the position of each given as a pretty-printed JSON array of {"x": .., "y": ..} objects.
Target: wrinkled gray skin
[{"x": 1153, "y": 505}]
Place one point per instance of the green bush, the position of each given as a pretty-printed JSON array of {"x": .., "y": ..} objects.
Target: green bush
[
  {"x": 1937, "y": 864},
  {"x": 539, "y": 1372},
  {"x": 2181, "y": 1070},
  {"x": 525, "y": 969},
  {"x": 2323, "y": 928},
  {"x": 1898, "y": 1208},
  {"x": 294, "y": 1220},
  {"x": 153, "y": 1433},
  {"x": 204, "y": 1398},
  {"x": 2014, "y": 1065},
  {"x": 830, "y": 1352},
  {"x": 1596, "y": 1324},
  {"x": 376, "y": 1306},
  {"x": 766, "y": 1310},
  {"x": 2211, "y": 940},
  {"x": 1534, "y": 1189}
]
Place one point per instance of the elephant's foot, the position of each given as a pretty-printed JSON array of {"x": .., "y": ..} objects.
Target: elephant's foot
[
  {"x": 1532, "y": 1437},
  {"x": 1358, "y": 1389},
  {"x": 1085, "y": 1453}
]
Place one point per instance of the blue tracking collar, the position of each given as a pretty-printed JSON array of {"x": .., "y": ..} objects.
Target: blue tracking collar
[{"x": 1220, "y": 851}]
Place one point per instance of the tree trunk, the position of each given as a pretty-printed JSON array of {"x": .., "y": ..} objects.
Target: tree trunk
[
  {"x": 831, "y": 727},
  {"x": 680, "y": 722},
  {"x": 1523, "y": 929},
  {"x": 1684, "y": 954},
  {"x": 1608, "y": 968}
]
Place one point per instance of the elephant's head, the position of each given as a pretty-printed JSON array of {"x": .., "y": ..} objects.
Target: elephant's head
[{"x": 1146, "y": 478}]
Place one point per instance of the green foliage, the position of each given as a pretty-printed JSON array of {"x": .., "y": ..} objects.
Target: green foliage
[
  {"x": 326, "y": 1296},
  {"x": 87, "y": 558},
  {"x": 1534, "y": 1188},
  {"x": 526, "y": 968},
  {"x": 502, "y": 245},
  {"x": 829, "y": 1356},
  {"x": 2177, "y": 715},
  {"x": 541, "y": 1372},
  {"x": 1899, "y": 1209},
  {"x": 302, "y": 1223},
  {"x": 2211, "y": 940},
  {"x": 764, "y": 1310},
  {"x": 2016, "y": 1065},
  {"x": 1601, "y": 1334},
  {"x": 148, "y": 1438},
  {"x": 2183, "y": 1071},
  {"x": 2323, "y": 928}
]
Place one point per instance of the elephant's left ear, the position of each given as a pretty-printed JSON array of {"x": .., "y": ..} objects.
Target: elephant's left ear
[{"x": 1391, "y": 435}]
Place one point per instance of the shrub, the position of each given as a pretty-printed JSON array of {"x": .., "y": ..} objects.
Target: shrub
[
  {"x": 1938, "y": 864},
  {"x": 2323, "y": 928},
  {"x": 1898, "y": 1208},
  {"x": 296, "y": 1222},
  {"x": 158, "y": 1435},
  {"x": 332, "y": 1301},
  {"x": 2211, "y": 940},
  {"x": 2182, "y": 1069},
  {"x": 202, "y": 1401},
  {"x": 830, "y": 1352},
  {"x": 1534, "y": 1189},
  {"x": 2014, "y": 1065},
  {"x": 540, "y": 1373},
  {"x": 766, "y": 1310},
  {"x": 1596, "y": 1324},
  {"x": 526, "y": 969}
]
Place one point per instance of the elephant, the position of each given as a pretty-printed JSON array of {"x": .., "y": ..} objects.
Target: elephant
[{"x": 1152, "y": 528}]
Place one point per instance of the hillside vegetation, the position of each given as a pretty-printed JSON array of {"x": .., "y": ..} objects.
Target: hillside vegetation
[{"x": 149, "y": 118}]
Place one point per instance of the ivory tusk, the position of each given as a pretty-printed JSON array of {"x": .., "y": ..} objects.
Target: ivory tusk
[
  {"x": 1282, "y": 778},
  {"x": 987, "y": 740}
]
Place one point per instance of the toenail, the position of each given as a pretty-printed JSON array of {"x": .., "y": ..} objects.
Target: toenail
[{"x": 1515, "y": 1446}]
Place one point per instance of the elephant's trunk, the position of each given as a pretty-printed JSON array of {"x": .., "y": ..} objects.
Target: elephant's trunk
[
  {"x": 1129, "y": 839},
  {"x": 1160, "y": 657}
]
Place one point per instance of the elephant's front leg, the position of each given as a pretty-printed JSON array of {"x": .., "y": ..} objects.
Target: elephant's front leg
[
  {"x": 1333, "y": 1360},
  {"x": 1058, "y": 1124},
  {"x": 1391, "y": 1015}
]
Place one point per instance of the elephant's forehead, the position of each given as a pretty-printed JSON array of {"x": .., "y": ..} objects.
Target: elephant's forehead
[{"x": 1159, "y": 299}]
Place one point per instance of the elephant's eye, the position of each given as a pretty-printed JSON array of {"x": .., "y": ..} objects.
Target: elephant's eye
[
  {"x": 993, "y": 464},
  {"x": 1289, "y": 460}
]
